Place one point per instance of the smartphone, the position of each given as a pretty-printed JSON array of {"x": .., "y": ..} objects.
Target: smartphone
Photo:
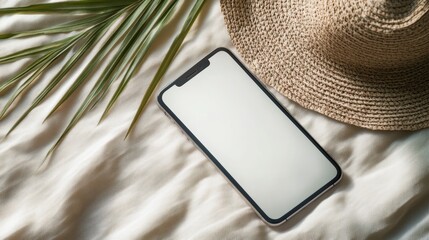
[{"x": 250, "y": 137}]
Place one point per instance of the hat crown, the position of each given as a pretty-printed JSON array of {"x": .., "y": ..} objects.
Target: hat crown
[{"x": 375, "y": 34}]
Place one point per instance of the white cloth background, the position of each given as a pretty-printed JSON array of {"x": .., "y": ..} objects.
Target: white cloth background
[{"x": 157, "y": 185}]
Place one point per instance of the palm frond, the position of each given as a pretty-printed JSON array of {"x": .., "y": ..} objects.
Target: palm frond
[
  {"x": 36, "y": 50},
  {"x": 174, "y": 48},
  {"x": 142, "y": 17},
  {"x": 67, "y": 7},
  {"x": 106, "y": 48},
  {"x": 29, "y": 69},
  {"x": 146, "y": 39},
  {"x": 92, "y": 38},
  {"x": 76, "y": 25},
  {"x": 49, "y": 59},
  {"x": 136, "y": 24}
]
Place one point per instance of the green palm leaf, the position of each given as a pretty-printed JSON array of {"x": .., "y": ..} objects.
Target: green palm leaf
[
  {"x": 167, "y": 60},
  {"x": 67, "y": 7},
  {"x": 79, "y": 24},
  {"x": 136, "y": 26},
  {"x": 146, "y": 39},
  {"x": 123, "y": 29},
  {"x": 112, "y": 67},
  {"x": 36, "y": 50},
  {"x": 50, "y": 58},
  {"x": 92, "y": 38}
]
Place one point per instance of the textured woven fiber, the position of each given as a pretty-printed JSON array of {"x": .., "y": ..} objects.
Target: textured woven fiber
[{"x": 362, "y": 62}]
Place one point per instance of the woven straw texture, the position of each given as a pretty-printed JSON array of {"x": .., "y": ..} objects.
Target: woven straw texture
[{"x": 361, "y": 62}]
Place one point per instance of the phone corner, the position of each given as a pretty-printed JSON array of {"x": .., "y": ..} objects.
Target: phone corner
[
  {"x": 272, "y": 222},
  {"x": 338, "y": 177},
  {"x": 221, "y": 49},
  {"x": 159, "y": 97}
]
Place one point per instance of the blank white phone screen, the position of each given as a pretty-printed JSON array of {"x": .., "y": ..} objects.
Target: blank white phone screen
[{"x": 256, "y": 143}]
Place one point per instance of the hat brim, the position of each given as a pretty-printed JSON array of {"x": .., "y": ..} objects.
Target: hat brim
[{"x": 276, "y": 49}]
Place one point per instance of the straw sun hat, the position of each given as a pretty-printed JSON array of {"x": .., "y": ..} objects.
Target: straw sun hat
[{"x": 364, "y": 62}]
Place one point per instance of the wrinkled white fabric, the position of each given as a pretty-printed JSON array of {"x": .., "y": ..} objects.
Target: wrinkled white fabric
[{"x": 157, "y": 185}]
